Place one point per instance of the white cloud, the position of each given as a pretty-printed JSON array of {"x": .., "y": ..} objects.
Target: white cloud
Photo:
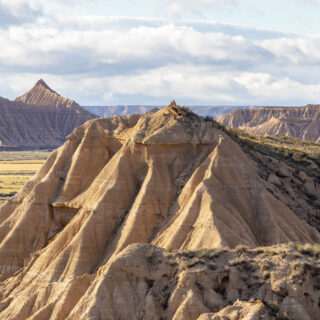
[
  {"x": 17, "y": 12},
  {"x": 298, "y": 50},
  {"x": 203, "y": 85},
  {"x": 141, "y": 60},
  {"x": 114, "y": 51}
]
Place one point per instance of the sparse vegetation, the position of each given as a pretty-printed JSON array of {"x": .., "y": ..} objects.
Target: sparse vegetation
[
  {"x": 296, "y": 151},
  {"x": 312, "y": 250}
]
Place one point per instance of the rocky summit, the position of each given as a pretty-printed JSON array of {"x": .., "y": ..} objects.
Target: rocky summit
[
  {"x": 39, "y": 119},
  {"x": 162, "y": 216},
  {"x": 296, "y": 122},
  {"x": 42, "y": 95}
]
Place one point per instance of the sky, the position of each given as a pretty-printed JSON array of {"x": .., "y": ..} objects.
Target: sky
[{"x": 198, "y": 52}]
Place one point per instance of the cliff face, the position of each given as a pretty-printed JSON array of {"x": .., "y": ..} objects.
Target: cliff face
[
  {"x": 171, "y": 180},
  {"x": 39, "y": 119},
  {"x": 301, "y": 123}
]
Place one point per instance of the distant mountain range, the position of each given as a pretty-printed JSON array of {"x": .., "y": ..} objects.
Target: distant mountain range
[
  {"x": 109, "y": 111},
  {"x": 295, "y": 122},
  {"x": 41, "y": 118}
]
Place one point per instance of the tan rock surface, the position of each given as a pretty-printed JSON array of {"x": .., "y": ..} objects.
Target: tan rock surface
[
  {"x": 256, "y": 310},
  {"x": 171, "y": 179}
]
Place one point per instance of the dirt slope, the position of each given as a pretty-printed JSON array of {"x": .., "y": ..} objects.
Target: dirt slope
[
  {"x": 170, "y": 179},
  {"x": 39, "y": 119},
  {"x": 302, "y": 123}
]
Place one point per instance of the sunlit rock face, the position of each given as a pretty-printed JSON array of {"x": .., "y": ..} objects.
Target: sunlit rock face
[{"x": 189, "y": 194}]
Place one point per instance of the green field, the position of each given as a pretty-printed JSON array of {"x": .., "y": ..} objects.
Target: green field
[{"x": 16, "y": 168}]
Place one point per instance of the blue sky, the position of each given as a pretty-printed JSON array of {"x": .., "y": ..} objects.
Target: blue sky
[{"x": 216, "y": 52}]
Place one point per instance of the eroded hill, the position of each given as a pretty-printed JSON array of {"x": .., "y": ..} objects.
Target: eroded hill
[
  {"x": 301, "y": 123},
  {"x": 39, "y": 119},
  {"x": 171, "y": 180},
  {"x": 42, "y": 95}
]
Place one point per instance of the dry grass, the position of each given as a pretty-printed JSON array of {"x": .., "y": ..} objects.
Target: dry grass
[
  {"x": 24, "y": 155},
  {"x": 25, "y": 167},
  {"x": 299, "y": 154},
  {"x": 308, "y": 249},
  {"x": 16, "y": 168},
  {"x": 281, "y": 144}
]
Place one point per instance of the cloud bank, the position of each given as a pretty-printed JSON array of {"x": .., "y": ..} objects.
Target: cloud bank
[{"x": 126, "y": 60}]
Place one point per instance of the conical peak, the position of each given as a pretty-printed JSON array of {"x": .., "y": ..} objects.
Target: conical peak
[
  {"x": 179, "y": 111},
  {"x": 42, "y": 84},
  {"x": 42, "y": 95},
  {"x": 173, "y": 103},
  {"x": 174, "y": 125}
]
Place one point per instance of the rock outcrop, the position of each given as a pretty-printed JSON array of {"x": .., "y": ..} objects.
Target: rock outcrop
[
  {"x": 39, "y": 119},
  {"x": 177, "y": 183},
  {"x": 300, "y": 123}
]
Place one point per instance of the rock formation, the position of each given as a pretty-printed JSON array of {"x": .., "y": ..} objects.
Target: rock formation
[
  {"x": 39, "y": 119},
  {"x": 301, "y": 123},
  {"x": 42, "y": 95},
  {"x": 191, "y": 195}
]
